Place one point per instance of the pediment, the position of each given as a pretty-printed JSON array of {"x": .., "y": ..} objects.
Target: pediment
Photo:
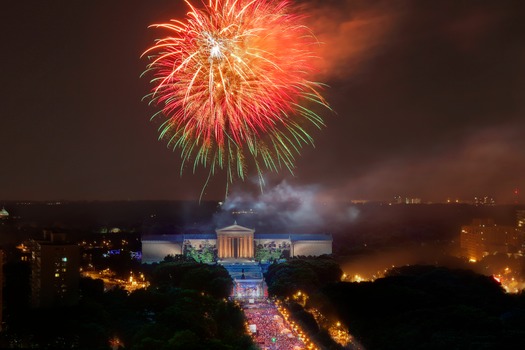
[{"x": 235, "y": 229}]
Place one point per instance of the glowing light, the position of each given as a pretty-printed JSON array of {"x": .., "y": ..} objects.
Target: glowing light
[
  {"x": 232, "y": 81},
  {"x": 357, "y": 278}
]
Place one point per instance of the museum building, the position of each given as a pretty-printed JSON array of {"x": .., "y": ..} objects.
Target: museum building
[{"x": 235, "y": 242}]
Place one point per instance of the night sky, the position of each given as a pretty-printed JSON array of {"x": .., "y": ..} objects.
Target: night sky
[{"x": 428, "y": 99}]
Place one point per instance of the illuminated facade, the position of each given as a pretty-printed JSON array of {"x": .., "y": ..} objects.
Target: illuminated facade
[
  {"x": 236, "y": 242},
  {"x": 484, "y": 237},
  {"x": 247, "y": 279},
  {"x": 54, "y": 272}
]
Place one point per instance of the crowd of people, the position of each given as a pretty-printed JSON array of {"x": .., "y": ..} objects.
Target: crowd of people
[{"x": 269, "y": 329}]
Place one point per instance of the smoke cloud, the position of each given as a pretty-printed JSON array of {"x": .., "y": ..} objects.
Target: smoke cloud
[
  {"x": 296, "y": 209},
  {"x": 457, "y": 171},
  {"x": 351, "y": 33}
]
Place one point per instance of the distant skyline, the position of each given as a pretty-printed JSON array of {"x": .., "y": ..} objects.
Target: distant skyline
[{"x": 428, "y": 99}]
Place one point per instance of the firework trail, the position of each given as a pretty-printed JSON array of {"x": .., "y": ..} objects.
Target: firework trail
[{"x": 232, "y": 82}]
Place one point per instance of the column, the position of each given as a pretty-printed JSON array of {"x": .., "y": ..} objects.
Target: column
[
  {"x": 230, "y": 247},
  {"x": 221, "y": 246},
  {"x": 224, "y": 246},
  {"x": 247, "y": 246},
  {"x": 243, "y": 247},
  {"x": 252, "y": 252},
  {"x": 239, "y": 247}
]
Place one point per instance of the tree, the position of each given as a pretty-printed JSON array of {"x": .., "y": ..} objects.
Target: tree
[
  {"x": 206, "y": 255},
  {"x": 426, "y": 307},
  {"x": 306, "y": 274},
  {"x": 265, "y": 254}
]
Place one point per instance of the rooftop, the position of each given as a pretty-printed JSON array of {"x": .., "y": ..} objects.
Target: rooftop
[
  {"x": 179, "y": 238},
  {"x": 3, "y": 213}
]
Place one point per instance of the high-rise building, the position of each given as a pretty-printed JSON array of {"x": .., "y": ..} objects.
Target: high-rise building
[
  {"x": 520, "y": 218},
  {"x": 55, "y": 272},
  {"x": 1, "y": 288},
  {"x": 484, "y": 200},
  {"x": 412, "y": 200},
  {"x": 483, "y": 237}
]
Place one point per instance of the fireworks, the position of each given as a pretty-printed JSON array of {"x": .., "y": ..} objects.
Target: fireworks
[{"x": 232, "y": 82}]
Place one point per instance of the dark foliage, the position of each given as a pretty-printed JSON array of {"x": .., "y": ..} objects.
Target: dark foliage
[
  {"x": 210, "y": 279},
  {"x": 426, "y": 307},
  {"x": 184, "y": 308},
  {"x": 306, "y": 274}
]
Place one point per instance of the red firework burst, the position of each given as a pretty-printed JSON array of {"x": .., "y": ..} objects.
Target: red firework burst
[{"x": 231, "y": 80}]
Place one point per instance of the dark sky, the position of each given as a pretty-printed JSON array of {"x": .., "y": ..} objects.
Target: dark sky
[{"x": 428, "y": 95}]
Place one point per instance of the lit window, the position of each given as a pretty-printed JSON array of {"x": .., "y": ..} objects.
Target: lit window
[
  {"x": 57, "y": 275},
  {"x": 64, "y": 259}
]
